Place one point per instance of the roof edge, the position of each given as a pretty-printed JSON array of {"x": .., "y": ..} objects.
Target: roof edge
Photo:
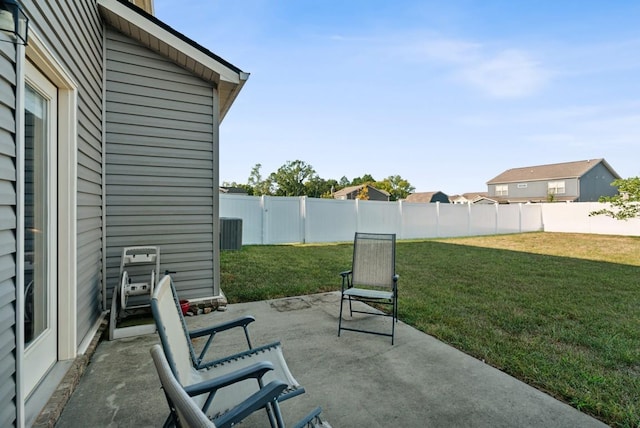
[{"x": 177, "y": 34}]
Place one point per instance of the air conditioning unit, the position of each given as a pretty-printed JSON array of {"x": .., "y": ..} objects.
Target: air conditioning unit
[{"x": 230, "y": 233}]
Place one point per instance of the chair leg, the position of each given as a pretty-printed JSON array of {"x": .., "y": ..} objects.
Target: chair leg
[
  {"x": 340, "y": 317},
  {"x": 394, "y": 319}
]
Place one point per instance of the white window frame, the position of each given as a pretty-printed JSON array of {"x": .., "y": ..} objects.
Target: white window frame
[
  {"x": 556, "y": 187},
  {"x": 502, "y": 190}
]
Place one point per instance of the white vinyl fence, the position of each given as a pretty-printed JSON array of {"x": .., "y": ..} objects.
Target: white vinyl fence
[{"x": 279, "y": 220}]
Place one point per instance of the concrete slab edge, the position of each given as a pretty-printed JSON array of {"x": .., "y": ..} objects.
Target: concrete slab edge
[{"x": 54, "y": 407}]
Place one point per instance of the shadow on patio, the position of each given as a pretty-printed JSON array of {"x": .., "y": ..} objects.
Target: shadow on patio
[{"x": 358, "y": 379}]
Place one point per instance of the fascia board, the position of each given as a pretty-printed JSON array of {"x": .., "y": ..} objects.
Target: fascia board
[{"x": 144, "y": 25}]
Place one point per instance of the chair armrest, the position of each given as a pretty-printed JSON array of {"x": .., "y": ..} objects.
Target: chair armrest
[
  {"x": 310, "y": 419},
  {"x": 254, "y": 371},
  {"x": 238, "y": 322},
  {"x": 267, "y": 394},
  {"x": 211, "y": 331},
  {"x": 346, "y": 279}
]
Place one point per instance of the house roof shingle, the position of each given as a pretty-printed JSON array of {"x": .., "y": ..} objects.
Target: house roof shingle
[
  {"x": 422, "y": 197},
  {"x": 347, "y": 190},
  {"x": 549, "y": 172}
]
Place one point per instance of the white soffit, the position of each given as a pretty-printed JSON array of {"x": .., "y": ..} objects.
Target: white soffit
[{"x": 188, "y": 54}]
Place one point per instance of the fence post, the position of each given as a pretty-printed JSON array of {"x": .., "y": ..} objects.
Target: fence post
[
  {"x": 437, "y": 219},
  {"x": 303, "y": 218},
  {"x": 469, "y": 218},
  {"x": 400, "y": 219},
  {"x": 265, "y": 220},
  {"x": 520, "y": 217},
  {"x": 497, "y": 218}
]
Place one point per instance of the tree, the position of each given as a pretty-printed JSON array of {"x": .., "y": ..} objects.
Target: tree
[
  {"x": 624, "y": 205},
  {"x": 365, "y": 179},
  {"x": 257, "y": 184},
  {"x": 290, "y": 178},
  {"x": 317, "y": 187},
  {"x": 398, "y": 187},
  {"x": 363, "y": 194}
]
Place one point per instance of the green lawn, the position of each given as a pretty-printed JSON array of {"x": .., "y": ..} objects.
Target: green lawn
[{"x": 558, "y": 311}]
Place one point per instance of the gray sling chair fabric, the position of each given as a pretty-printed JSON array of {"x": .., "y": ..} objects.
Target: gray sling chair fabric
[
  {"x": 191, "y": 370},
  {"x": 191, "y": 416},
  {"x": 372, "y": 278}
]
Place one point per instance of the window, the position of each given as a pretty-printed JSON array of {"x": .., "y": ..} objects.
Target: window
[
  {"x": 522, "y": 185},
  {"x": 555, "y": 188},
  {"x": 502, "y": 189}
]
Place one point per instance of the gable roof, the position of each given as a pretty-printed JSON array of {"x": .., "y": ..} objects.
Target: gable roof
[
  {"x": 159, "y": 37},
  {"x": 470, "y": 196},
  {"x": 347, "y": 190},
  {"x": 550, "y": 172},
  {"x": 423, "y": 196}
]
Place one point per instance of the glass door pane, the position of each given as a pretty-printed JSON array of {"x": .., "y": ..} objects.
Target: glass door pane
[{"x": 36, "y": 220}]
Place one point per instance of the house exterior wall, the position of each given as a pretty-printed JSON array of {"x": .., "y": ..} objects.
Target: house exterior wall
[
  {"x": 440, "y": 197},
  {"x": 596, "y": 183},
  {"x": 534, "y": 189},
  {"x": 373, "y": 194},
  {"x": 8, "y": 409},
  {"x": 376, "y": 195},
  {"x": 72, "y": 32},
  {"x": 161, "y": 165}
]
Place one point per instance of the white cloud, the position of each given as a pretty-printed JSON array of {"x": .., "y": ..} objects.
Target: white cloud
[
  {"x": 505, "y": 73},
  {"x": 508, "y": 74}
]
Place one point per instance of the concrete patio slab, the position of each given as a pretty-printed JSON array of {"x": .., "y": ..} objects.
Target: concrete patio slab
[{"x": 358, "y": 379}]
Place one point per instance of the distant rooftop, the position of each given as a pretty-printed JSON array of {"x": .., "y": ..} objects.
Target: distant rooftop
[{"x": 550, "y": 171}]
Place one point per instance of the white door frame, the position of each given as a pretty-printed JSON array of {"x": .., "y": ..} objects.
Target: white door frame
[
  {"x": 43, "y": 58},
  {"x": 38, "y": 355}
]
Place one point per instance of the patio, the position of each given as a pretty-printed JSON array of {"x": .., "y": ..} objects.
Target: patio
[{"x": 358, "y": 379}]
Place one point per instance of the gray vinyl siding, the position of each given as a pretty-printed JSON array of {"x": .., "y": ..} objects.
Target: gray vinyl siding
[
  {"x": 595, "y": 183},
  {"x": 72, "y": 31},
  {"x": 160, "y": 130},
  {"x": 536, "y": 189},
  {"x": 8, "y": 412}
]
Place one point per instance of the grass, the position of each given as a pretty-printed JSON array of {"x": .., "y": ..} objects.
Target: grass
[{"x": 558, "y": 311}]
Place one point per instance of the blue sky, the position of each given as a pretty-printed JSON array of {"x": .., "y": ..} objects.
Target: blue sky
[{"x": 446, "y": 94}]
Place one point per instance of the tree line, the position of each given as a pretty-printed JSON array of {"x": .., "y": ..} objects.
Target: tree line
[{"x": 298, "y": 178}]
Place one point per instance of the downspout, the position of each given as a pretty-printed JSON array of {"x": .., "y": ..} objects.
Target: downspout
[
  {"x": 19, "y": 141},
  {"x": 104, "y": 170},
  {"x": 215, "y": 141}
]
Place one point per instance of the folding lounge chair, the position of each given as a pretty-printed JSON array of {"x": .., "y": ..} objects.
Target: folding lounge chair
[
  {"x": 191, "y": 369},
  {"x": 372, "y": 278},
  {"x": 191, "y": 416}
]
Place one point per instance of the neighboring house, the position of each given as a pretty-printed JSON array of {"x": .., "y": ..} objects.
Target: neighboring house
[
  {"x": 108, "y": 138},
  {"x": 427, "y": 197},
  {"x": 581, "y": 181},
  {"x": 471, "y": 198},
  {"x": 352, "y": 192},
  {"x": 232, "y": 190}
]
